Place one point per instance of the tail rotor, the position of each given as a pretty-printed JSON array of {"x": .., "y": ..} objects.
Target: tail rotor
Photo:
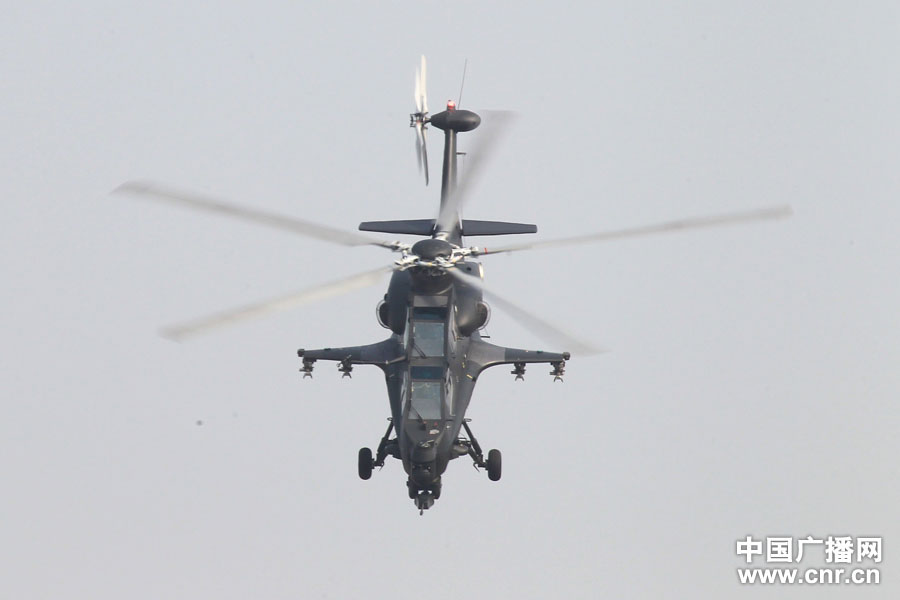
[{"x": 419, "y": 120}]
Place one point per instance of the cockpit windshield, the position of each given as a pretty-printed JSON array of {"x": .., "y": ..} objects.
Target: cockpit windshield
[
  {"x": 426, "y": 399},
  {"x": 428, "y": 338},
  {"x": 425, "y": 334},
  {"x": 425, "y": 392}
]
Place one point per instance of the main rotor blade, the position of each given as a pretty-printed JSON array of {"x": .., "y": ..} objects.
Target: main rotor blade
[
  {"x": 253, "y": 311},
  {"x": 159, "y": 192},
  {"x": 532, "y": 322},
  {"x": 762, "y": 214},
  {"x": 495, "y": 125}
]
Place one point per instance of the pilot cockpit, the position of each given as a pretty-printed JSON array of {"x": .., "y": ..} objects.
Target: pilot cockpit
[{"x": 426, "y": 331}]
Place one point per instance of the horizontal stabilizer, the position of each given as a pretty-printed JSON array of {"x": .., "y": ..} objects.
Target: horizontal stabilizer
[
  {"x": 425, "y": 227},
  {"x": 495, "y": 228},
  {"x": 410, "y": 226}
]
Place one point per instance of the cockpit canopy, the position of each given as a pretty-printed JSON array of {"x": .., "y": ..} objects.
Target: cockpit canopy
[
  {"x": 427, "y": 331},
  {"x": 428, "y": 393},
  {"x": 426, "y": 384}
]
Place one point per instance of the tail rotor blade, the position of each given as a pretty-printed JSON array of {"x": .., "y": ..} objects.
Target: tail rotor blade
[
  {"x": 422, "y": 149},
  {"x": 420, "y": 93},
  {"x": 419, "y": 151},
  {"x": 420, "y": 118},
  {"x": 274, "y": 305},
  {"x": 417, "y": 91},
  {"x": 421, "y": 84}
]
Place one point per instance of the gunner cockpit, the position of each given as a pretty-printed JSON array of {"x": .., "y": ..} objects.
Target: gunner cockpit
[
  {"x": 426, "y": 393},
  {"x": 426, "y": 331}
]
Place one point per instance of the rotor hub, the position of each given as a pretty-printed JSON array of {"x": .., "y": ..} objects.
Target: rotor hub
[{"x": 432, "y": 249}]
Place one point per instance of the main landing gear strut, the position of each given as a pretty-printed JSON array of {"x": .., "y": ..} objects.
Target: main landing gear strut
[
  {"x": 386, "y": 447},
  {"x": 494, "y": 462}
]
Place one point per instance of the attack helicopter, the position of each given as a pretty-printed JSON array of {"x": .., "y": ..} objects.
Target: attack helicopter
[{"x": 435, "y": 306}]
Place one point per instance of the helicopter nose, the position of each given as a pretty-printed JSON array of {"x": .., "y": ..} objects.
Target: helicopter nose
[{"x": 424, "y": 453}]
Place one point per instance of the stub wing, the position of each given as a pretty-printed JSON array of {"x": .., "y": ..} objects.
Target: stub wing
[
  {"x": 483, "y": 355},
  {"x": 381, "y": 354}
]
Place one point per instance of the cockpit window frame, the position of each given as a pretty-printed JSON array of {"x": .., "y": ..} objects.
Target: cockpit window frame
[
  {"x": 427, "y": 373},
  {"x": 429, "y": 313}
]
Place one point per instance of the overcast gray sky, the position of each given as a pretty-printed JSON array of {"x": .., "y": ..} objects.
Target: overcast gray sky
[{"x": 752, "y": 383}]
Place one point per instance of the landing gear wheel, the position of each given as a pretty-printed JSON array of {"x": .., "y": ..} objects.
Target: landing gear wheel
[
  {"x": 366, "y": 462},
  {"x": 413, "y": 490},
  {"x": 494, "y": 464}
]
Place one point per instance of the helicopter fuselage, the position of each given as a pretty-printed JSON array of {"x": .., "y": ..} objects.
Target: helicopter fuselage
[
  {"x": 430, "y": 390},
  {"x": 431, "y": 363}
]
